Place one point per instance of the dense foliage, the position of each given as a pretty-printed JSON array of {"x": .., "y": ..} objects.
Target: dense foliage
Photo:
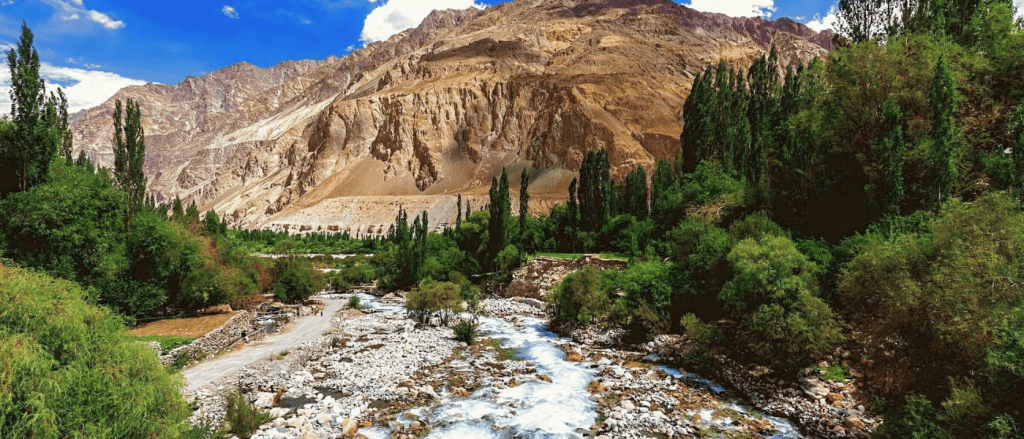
[{"x": 70, "y": 369}]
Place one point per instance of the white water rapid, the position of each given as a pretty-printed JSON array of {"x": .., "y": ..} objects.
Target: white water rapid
[{"x": 535, "y": 409}]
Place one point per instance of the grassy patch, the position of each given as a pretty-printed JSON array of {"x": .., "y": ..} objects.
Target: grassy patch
[
  {"x": 167, "y": 343},
  {"x": 504, "y": 354},
  {"x": 835, "y": 373}
]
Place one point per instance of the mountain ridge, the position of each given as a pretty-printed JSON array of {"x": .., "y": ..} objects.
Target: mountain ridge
[{"x": 438, "y": 110}]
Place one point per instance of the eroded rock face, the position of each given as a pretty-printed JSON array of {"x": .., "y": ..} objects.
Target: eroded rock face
[{"x": 438, "y": 110}]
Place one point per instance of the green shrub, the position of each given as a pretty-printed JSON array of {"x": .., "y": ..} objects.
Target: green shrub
[
  {"x": 297, "y": 279},
  {"x": 705, "y": 338},
  {"x": 917, "y": 420},
  {"x": 708, "y": 182},
  {"x": 649, "y": 289},
  {"x": 469, "y": 293},
  {"x": 953, "y": 294},
  {"x": 434, "y": 298},
  {"x": 353, "y": 302},
  {"x": 579, "y": 298},
  {"x": 775, "y": 284},
  {"x": 465, "y": 331},
  {"x": 243, "y": 418},
  {"x": 756, "y": 226},
  {"x": 70, "y": 370},
  {"x": 836, "y": 373}
]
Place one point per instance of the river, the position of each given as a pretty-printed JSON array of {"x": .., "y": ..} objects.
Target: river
[{"x": 561, "y": 408}]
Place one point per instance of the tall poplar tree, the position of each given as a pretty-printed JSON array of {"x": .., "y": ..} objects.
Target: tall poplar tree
[
  {"x": 574, "y": 211},
  {"x": 893, "y": 149},
  {"x": 458, "y": 212},
  {"x": 524, "y": 202},
  {"x": 500, "y": 208},
  {"x": 39, "y": 129},
  {"x": 130, "y": 154},
  {"x": 943, "y": 98}
]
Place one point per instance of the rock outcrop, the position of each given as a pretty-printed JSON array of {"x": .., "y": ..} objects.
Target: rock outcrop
[{"x": 438, "y": 110}]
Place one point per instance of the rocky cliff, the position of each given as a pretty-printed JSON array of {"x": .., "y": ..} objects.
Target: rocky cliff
[{"x": 438, "y": 110}]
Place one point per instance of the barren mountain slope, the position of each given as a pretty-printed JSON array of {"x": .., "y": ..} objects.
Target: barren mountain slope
[{"x": 438, "y": 110}]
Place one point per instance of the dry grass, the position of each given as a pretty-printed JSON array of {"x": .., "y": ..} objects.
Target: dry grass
[{"x": 194, "y": 327}]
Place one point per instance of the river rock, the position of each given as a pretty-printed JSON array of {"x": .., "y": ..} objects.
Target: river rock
[{"x": 854, "y": 422}]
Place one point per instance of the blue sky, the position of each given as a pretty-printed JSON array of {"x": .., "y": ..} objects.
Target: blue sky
[{"x": 95, "y": 47}]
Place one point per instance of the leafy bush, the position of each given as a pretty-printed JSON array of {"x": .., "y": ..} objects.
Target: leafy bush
[
  {"x": 698, "y": 246},
  {"x": 353, "y": 302},
  {"x": 243, "y": 418},
  {"x": 70, "y": 369},
  {"x": 434, "y": 298},
  {"x": 579, "y": 297},
  {"x": 469, "y": 293},
  {"x": 705, "y": 338},
  {"x": 707, "y": 183},
  {"x": 918, "y": 420},
  {"x": 756, "y": 226},
  {"x": 953, "y": 294},
  {"x": 775, "y": 284},
  {"x": 465, "y": 331},
  {"x": 649, "y": 289},
  {"x": 297, "y": 279}
]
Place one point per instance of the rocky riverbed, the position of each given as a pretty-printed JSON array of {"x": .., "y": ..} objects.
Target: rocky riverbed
[{"x": 377, "y": 374}]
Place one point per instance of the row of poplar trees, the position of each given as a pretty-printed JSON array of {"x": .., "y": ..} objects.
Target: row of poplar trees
[{"x": 38, "y": 132}]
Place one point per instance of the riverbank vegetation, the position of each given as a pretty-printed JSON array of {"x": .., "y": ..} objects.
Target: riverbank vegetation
[
  {"x": 866, "y": 201},
  {"x": 869, "y": 201}
]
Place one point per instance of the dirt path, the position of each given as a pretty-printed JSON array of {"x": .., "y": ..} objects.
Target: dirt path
[{"x": 303, "y": 329}]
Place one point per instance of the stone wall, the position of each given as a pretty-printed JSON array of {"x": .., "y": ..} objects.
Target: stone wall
[{"x": 219, "y": 339}]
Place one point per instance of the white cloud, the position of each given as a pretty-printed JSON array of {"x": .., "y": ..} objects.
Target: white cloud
[
  {"x": 819, "y": 23},
  {"x": 305, "y": 21},
  {"x": 84, "y": 88},
  {"x": 75, "y": 9},
  {"x": 395, "y": 16},
  {"x": 1019, "y": 4},
  {"x": 105, "y": 20},
  {"x": 736, "y": 8},
  {"x": 229, "y": 12}
]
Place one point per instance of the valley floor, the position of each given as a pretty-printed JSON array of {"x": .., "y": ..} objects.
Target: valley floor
[{"x": 377, "y": 374}]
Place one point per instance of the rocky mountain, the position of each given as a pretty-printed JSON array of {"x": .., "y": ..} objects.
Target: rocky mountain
[{"x": 437, "y": 111}]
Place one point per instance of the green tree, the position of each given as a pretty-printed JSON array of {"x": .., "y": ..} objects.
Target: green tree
[
  {"x": 524, "y": 203},
  {"x": 38, "y": 132},
  {"x": 297, "y": 279},
  {"x": 579, "y": 297},
  {"x": 774, "y": 284},
  {"x": 130, "y": 155},
  {"x": 440, "y": 299},
  {"x": 500, "y": 209},
  {"x": 636, "y": 193},
  {"x": 192, "y": 215},
  {"x": 213, "y": 224},
  {"x": 945, "y": 134},
  {"x": 573, "y": 211},
  {"x": 458, "y": 212},
  {"x": 177, "y": 211},
  {"x": 594, "y": 191},
  {"x": 893, "y": 151}
]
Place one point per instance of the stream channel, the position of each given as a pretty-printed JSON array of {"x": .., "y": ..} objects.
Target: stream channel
[{"x": 561, "y": 408}]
